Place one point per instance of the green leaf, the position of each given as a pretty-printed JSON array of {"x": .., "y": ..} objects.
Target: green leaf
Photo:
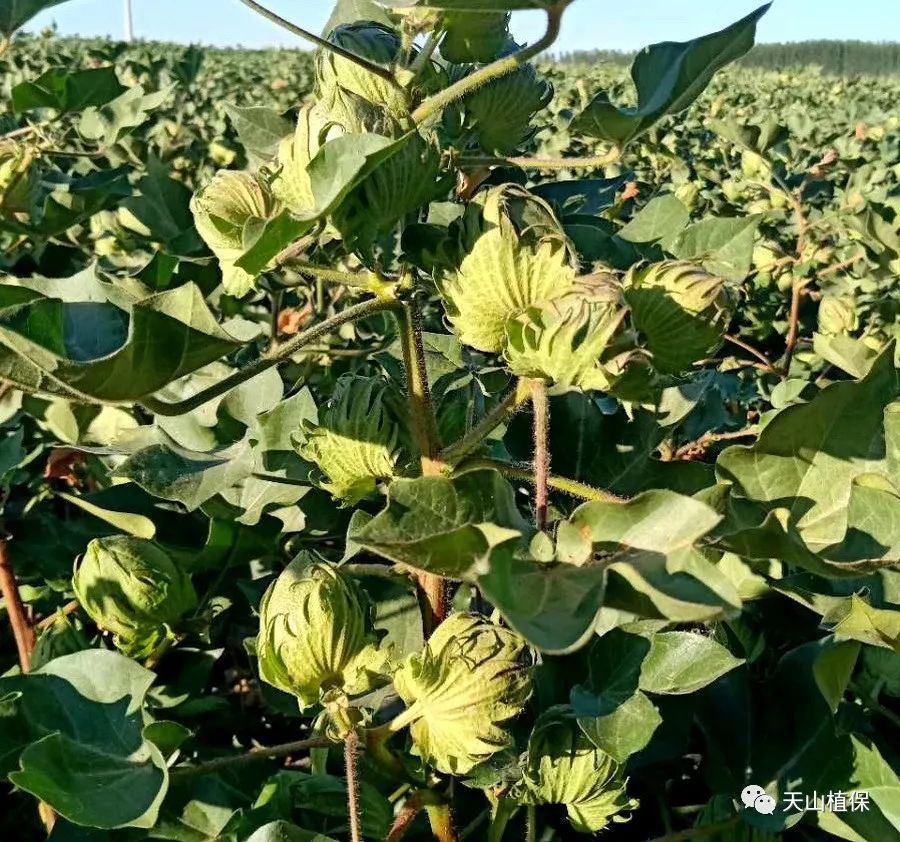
[
  {"x": 553, "y": 606},
  {"x": 855, "y": 619},
  {"x": 351, "y": 11},
  {"x": 115, "y": 119},
  {"x": 259, "y": 129},
  {"x": 107, "y": 353},
  {"x": 441, "y": 525},
  {"x": 338, "y": 167},
  {"x": 813, "y": 460},
  {"x": 661, "y": 220},
  {"x": 683, "y": 662},
  {"x": 668, "y": 77},
  {"x": 281, "y": 831},
  {"x": 722, "y": 246},
  {"x": 79, "y": 719},
  {"x": 16, "y": 13},
  {"x": 650, "y": 549},
  {"x": 612, "y": 712},
  {"x": 65, "y": 90}
]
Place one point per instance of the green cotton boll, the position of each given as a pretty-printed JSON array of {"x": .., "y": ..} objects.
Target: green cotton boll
[
  {"x": 132, "y": 588},
  {"x": 317, "y": 634},
  {"x": 680, "y": 310},
  {"x": 499, "y": 114},
  {"x": 563, "y": 340},
  {"x": 838, "y": 315},
  {"x": 517, "y": 256},
  {"x": 19, "y": 177},
  {"x": 291, "y": 183},
  {"x": 471, "y": 678},
  {"x": 356, "y": 442},
  {"x": 221, "y": 211},
  {"x": 336, "y": 75},
  {"x": 564, "y": 767},
  {"x": 474, "y": 37}
]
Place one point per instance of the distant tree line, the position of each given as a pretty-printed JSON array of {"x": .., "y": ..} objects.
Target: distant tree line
[{"x": 842, "y": 58}]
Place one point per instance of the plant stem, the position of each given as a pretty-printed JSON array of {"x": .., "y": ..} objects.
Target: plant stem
[
  {"x": 698, "y": 832},
  {"x": 442, "y": 825},
  {"x": 587, "y": 163},
  {"x": 23, "y": 632},
  {"x": 513, "y": 401},
  {"x": 376, "y": 69},
  {"x": 252, "y": 756},
  {"x": 531, "y": 823},
  {"x": 524, "y": 473},
  {"x": 432, "y": 588},
  {"x": 502, "y": 67},
  {"x": 321, "y": 273},
  {"x": 68, "y": 608},
  {"x": 793, "y": 327},
  {"x": 739, "y": 343},
  {"x": 270, "y": 359},
  {"x": 351, "y": 755},
  {"x": 541, "y": 404}
]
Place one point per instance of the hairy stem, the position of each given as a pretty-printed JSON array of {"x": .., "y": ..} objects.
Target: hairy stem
[
  {"x": 525, "y": 474},
  {"x": 440, "y": 816},
  {"x": 253, "y": 756},
  {"x": 64, "y": 611},
  {"x": 432, "y": 588},
  {"x": 376, "y": 69},
  {"x": 793, "y": 336},
  {"x": 270, "y": 359},
  {"x": 587, "y": 163},
  {"x": 23, "y": 632},
  {"x": 541, "y": 404},
  {"x": 531, "y": 823},
  {"x": 434, "y": 105},
  {"x": 351, "y": 756},
  {"x": 513, "y": 401}
]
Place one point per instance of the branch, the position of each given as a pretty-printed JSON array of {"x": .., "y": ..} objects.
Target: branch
[
  {"x": 793, "y": 327},
  {"x": 432, "y": 589},
  {"x": 502, "y": 67},
  {"x": 734, "y": 340},
  {"x": 270, "y": 359},
  {"x": 376, "y": 69},
  {"x": 514, "y": 400},
  {"x": 15, "y": 610},
  {"x": 567, "y": 486},
  {"x": 257, "y": 754},
  {"x": 588, "y": 163},
  {"x": 707, "y": 439},
  {"x": 65, "y": 610},
  {"x": 351, "y": 767},
  {"x": 541, "y": 404}
]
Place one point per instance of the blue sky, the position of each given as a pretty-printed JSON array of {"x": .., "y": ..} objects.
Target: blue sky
[{"x": 589, "y": 23}]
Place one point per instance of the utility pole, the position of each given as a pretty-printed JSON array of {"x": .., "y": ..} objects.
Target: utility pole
[{"x": 129, "y": 22}]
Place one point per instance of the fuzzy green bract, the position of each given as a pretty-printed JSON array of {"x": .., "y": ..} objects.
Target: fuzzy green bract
[
  {"x": 471, "y": 678},
  {"x": 133, "y": 589},
  {"x": 316, "y": 634}
]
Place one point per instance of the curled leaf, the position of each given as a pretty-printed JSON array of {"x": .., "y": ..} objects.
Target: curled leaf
[
  {"x": 132, "y": 588},
  {"x": 472, "y": 676},
  {"x": 563, "y": 340},
  {"x": 355, "y": 443},
  {"x": 681, "y": 310},
  {"x": 504, "y": 272},
  {"x": 223, "y": 209},
  {"x": 564, "y": 767},
  {"x": 316, "y": 634}
]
